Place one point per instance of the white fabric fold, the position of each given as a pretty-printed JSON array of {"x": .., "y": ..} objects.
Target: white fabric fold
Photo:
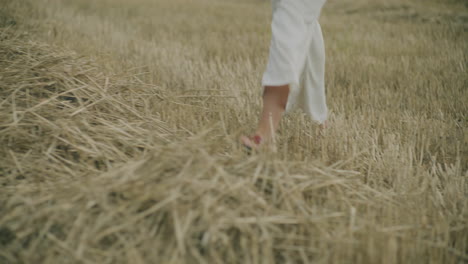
[{"x": 297, "y": 56}]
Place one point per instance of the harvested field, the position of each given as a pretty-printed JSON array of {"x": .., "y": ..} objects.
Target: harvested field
[{"x": 119, "y": 123}]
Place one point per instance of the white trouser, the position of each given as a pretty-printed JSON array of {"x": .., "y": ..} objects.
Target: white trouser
[{"x": 297, "y": 56}]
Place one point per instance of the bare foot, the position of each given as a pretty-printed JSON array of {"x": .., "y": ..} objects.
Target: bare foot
[
  {"x": 322, "y": 128},
  {"x": 252, "y": 142},
  {"x": 324, "y": 125}
]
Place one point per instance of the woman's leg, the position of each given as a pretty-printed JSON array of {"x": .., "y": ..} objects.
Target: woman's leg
[
  {"x": 274, "y": 104},
  {"x": 275, "y": 99},
  {"x": 288, "y": 50}
]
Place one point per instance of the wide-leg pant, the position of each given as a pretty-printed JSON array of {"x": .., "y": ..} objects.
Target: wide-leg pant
[{"x": 297, "y": 56}]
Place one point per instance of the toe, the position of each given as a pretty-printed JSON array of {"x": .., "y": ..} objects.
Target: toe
[{"x": 247, "y": 142}]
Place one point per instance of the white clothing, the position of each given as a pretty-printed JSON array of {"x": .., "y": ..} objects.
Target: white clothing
[{"x": 297, "y": 56}]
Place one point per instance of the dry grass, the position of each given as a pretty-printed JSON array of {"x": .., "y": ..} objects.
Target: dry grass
[{"x": 124, "y": 150}]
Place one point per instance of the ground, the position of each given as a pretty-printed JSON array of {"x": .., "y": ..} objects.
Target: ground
[{"x": 119, "y": 123}]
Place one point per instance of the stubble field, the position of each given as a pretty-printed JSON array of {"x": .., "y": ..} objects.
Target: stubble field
[{"x": 119, "y": 123}]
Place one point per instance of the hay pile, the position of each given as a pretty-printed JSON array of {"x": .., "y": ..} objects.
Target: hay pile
[
  {"x": 65, "y": 124},
  {"x": 90, "y": 173},
  {"x": 57, "y": 109}
]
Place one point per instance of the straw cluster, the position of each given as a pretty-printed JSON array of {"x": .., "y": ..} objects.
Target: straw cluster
[{"x": 64, "y": 124}]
